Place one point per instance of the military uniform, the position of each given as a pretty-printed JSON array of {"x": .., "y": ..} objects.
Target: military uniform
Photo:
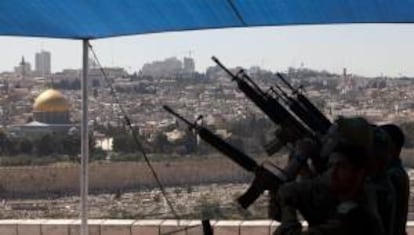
[
  {"x": 324, "y": 215},
  {"x": 401, "y": 184},
  {"x": 312, "y": 198},
  {"x": 316, "y": 201},
  {"x": 381, "y": 184},
  {"x": 383, "y": 201},
  {"x": 357, "y": 220}
]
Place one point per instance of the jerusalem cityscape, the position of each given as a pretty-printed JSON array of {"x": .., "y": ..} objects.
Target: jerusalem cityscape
[
  {"x": 212, "y": 117},
  {"x": 40, "y": 120}
]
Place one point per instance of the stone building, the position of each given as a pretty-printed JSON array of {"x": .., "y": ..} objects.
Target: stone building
[{"x": 51, "y": 115}]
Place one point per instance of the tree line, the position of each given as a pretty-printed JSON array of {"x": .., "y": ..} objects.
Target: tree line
[
  {"x": 248, "y": 134},
  {"x": 45, "y": 145}
]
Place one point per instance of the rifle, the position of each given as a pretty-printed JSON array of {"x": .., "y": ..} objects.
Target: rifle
[
  {"x": 268, "y": 176},
  {"x": 291, "y": 128},
  {"x": 320, "y": 123},
  {"x": 297, "y": 109}
]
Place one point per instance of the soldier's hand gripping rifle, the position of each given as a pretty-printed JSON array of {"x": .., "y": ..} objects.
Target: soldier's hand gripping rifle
[
  {"x": 268, "y": 176},
  {"x": 291, "y": 129}
]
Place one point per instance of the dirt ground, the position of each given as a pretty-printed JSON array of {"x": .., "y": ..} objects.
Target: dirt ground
[{"x": 208, "y": 201}]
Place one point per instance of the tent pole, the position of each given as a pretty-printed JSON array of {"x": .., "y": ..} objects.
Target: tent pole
[{"x": 84, "y": 141}]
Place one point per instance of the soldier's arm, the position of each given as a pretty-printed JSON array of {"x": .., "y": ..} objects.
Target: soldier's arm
[{"x": 291, "y": 197}]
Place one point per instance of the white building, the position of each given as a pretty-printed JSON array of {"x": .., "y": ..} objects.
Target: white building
[{"x": 42, "y": 63}]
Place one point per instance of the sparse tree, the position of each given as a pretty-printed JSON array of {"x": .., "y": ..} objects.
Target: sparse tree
[
  {"x": 46, "y": 145},
  {"x": 26, "y": 146}
]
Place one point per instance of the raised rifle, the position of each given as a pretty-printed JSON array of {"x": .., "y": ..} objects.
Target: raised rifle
[
  {"x": 320, "y": 122},
  {"x": 290, "y": 129},
  {"x": 268, "y": 176},
  {"x": 298, "y": 110}
]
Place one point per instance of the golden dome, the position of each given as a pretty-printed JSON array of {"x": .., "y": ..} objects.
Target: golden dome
[{"x": 51, "y": 100}]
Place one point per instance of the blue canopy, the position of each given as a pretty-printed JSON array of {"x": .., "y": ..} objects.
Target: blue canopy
[{"x": 89, "y": 19}]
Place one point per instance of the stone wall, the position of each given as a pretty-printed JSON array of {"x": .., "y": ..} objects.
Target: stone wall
[
  {"x": 141, "y": 227},
  {"x": 118, "y": 175}
]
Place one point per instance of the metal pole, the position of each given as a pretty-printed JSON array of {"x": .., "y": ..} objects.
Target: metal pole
[{"x": 84, "y": 141}]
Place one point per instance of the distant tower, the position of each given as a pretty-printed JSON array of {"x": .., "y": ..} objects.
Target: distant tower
[
  {"x": 23, "y": 68},
  {"x": 42, "y": 63},
  {"x": 347, "y": 81},
  {"x": 189, "y": 65}
]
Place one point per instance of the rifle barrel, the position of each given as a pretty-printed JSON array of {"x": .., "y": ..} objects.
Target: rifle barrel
[
  {"x": 284, "y": 94},
  {"x": 217, "y": 61},
  {"x": 286, "y": 82},
  {"x": 242, "y": 159},
  {"x": 245, "y": 161},
  {"x": 168, "y": 109}
]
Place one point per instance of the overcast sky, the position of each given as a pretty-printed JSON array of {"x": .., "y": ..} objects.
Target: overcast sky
[{"x": 368, "y": 49}]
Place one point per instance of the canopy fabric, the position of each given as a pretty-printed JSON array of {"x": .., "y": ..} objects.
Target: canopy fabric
[{"x": 89, "y": 19}]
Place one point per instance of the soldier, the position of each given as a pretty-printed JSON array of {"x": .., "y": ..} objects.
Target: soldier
[
  {"x": 382, "y": 197},
  {"x": 313, "y": 198},
  {"x": 304, "y": 149},
  {"x": 342, "y": 199},
  {"x": 308, "y": 148},
  {"x": 399, "y": 178}
]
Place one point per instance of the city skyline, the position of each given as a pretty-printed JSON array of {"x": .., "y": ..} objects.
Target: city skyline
[{"x": 369, "y": 50}]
